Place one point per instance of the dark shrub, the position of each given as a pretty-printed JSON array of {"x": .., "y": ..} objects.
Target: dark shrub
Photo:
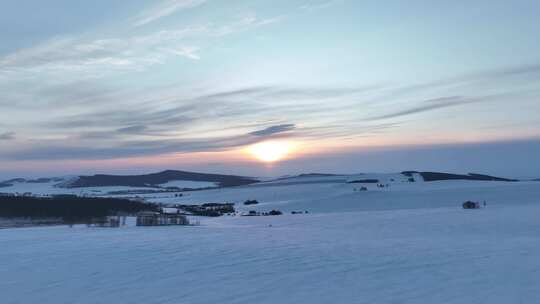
[
  {"x": 471, "y": 205},
  {"x": 275, "y": 212},
  {"x": 364, "y": 181}
]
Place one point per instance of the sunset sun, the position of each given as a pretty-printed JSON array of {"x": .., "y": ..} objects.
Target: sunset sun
[{"x": 270, "y": 151}]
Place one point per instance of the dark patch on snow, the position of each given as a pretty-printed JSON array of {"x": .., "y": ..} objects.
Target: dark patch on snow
[
  {"x": 40, "y": 181},
  {"x": 409, "y": 173},
  {"x": 305, "y": 175},
  {"x": 438, "y": 176},
  {"x": 364, "y": 181}
]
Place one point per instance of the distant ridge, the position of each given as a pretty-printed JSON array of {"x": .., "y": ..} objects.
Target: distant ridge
[
  {"x": 158, "y": 180},
  {"x": 148, "y": 180},
  {"x": 303, "y": 175},
  {"x": 439, "y": 176}
]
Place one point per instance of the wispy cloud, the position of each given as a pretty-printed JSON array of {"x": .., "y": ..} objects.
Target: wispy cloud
[
  {"x": 95, "y": 58},
  {"x": 164, "y": 9},
  {"x": 62, "y": 150},
  {"x": 321, "y": 5},
  {"x": 7, "y": 136},
  {"x": 133, "y": 129},
  {"x": 185, "y": 51},
  {"x": 274, "y": 130},
  {"x": 181, "y": 109},
  {"x": 429, "y": 105},
  {"x": 113, "y": 124},
  {"x": 523, "y": 73}
]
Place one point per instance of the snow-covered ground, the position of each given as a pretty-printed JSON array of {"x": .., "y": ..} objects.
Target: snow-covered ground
[
  {"x": 52, "y": 187},
  {"x": 334, "y": 194},
  {"x": 55, "y": 188},
  {"x": 408, "y": 243}
]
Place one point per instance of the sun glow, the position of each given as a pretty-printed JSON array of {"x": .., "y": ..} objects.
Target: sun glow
[{"x": 270, "y": 151}]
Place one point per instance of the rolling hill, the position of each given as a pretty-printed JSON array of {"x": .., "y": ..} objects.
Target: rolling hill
[{"x": 156, "y": 179}]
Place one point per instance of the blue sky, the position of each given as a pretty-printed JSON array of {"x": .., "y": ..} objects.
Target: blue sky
[{"x": 141, "y": 85}]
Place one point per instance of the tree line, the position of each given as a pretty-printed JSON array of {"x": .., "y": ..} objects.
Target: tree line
[{"x": 69, "y": 208}]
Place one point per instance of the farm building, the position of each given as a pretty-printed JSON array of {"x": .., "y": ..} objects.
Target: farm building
[
  {"x": 109, "y": 221},
  {"x": 150, "y": 218}
]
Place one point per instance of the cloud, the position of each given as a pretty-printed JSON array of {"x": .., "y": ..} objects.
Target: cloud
[
  {"x": 321, "y": 5},
  {"x": 164, "y": 9},
  {"x": 429, "y": 105},
  {"x": 249, "y": 22},
  {"x": 526, "y": 73},
  {"x": 185, "y": 51},
  {"x": 95, "y": 58},
  {"x": 95, "y": 120},
  {"x": 119, "y": 148},
  {"x": 137, "y": 116},
  {"x": 118, "y": 135},
  {"x": 62, "y": 150},
  {"x": 274, "y": 130},
  {"x": 278, "y": 93},
  {"x": 7, "y": 136},
  {"x": 133, "y": 129},
  {"x": 180, "y": 109},
  {"x": 521, "y": 70}
]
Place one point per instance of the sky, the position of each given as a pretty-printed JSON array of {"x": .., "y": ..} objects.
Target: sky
[{"x": 111, "y": 86}]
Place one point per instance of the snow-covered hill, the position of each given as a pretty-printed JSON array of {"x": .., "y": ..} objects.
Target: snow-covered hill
[
  {"x": 170, "y": 180},
  {"x": 344, "y": 193},
  {"x": 397, "y": 250},
  {"x": 397, "y": 241},
  {"x": 103, "y": 184}
]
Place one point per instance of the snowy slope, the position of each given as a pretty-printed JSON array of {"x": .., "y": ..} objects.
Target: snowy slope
[
  {"x": 435, "y": 255},
  {"x": 410, "y": 242},
  {"x": 55, "y": 187},
  {"x": 60, "y": 187},
  {"x": 334, "y": 194}
]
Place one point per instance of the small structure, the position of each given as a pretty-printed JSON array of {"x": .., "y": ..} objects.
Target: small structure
[
  {"x": 109, "y": 222},
  {"x": 471, "y": 205},
  {"x": 271, "y": 213},
  {"x": 221, "y": 207},
  {"x": 208, "y": 209},
  {"x": 151, "y": 218},
  {"x": 275, "y": 212},
  {"x": 251, "y": 202}
]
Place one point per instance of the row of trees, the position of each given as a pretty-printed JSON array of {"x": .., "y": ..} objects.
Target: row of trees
[{"x": 69, "y": 208}]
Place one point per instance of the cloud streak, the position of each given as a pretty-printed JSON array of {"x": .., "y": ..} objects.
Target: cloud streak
[
  {"x": 429, "y": 105},
  {"x": 525, "y": 73},
  {"x": 7, "y": 136},
  {"x": 164, "y": 9},
  {"x": 101, "y": 121},
  {"x": 274, "y": 130},
  {"x": 96, "y": 58},
  {"x": 321, "y": 5},
  {"x": 60, "y": 150}
]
